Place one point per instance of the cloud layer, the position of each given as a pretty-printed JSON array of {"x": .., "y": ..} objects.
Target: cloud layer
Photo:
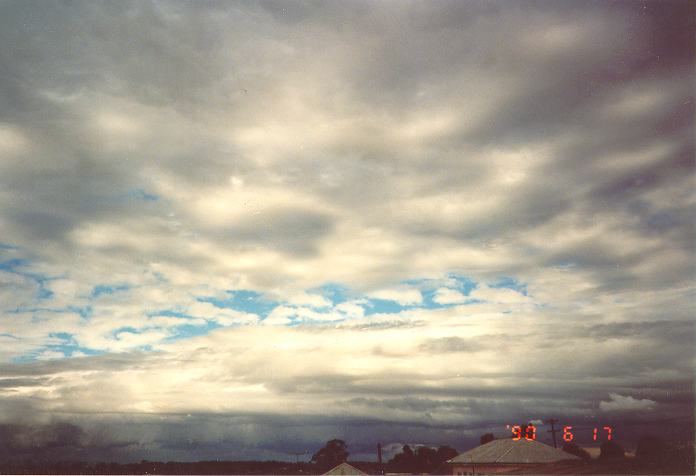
[{"x": 412, "y": 222}]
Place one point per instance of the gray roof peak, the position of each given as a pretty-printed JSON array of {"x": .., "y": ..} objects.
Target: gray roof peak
[{"x": 509, "y": 451}]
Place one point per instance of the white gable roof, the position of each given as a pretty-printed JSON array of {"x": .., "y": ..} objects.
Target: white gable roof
[
  {"x": 511, "y": 451},
  {"x": 345, "y": 468}
]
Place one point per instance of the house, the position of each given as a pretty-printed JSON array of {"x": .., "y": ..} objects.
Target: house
[
  {"x": 509, "y": 455},
  {"x": 344, "y": 469}
]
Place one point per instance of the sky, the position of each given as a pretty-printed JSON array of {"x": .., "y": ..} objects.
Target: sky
[{"x": 236, "y": 230}]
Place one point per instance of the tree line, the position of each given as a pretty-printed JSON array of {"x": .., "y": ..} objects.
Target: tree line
[
  {"x": 422, "y": 459},
  {"x": 652, "y": 455}
]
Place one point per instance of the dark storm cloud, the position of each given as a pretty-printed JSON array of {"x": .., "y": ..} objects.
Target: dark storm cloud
[
  {"x": 61, "y": 440},
  {"x": 388, "y": 407},
  {"x": 195, "y": 438},
  {"x": 19, "y": 439}
]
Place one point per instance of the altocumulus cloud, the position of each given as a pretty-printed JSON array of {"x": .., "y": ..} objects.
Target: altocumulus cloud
[{"x": 239, "y": 230}]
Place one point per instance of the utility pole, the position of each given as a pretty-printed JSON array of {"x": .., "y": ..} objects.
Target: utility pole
[
  {"x": 379, "y": 458},
  {"x": 553, "y": 431}
]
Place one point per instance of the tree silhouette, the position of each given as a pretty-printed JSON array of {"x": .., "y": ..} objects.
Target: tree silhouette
[
  {"x": 487, "y": 438},
  {"x": 574, "y": 449},
  {"x": 423, "y": 460},
  {"x": 445, "y": 453},
  {"x": 403, "y": 461},
  {"x": 651, "y": 449},
  {"x": 332, "y": 454},
  {"x": 426, "y": 458},
  {"x": 611, "y": 450}
]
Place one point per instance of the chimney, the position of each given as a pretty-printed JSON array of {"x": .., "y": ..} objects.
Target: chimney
[{"x": 379, "y": 453}]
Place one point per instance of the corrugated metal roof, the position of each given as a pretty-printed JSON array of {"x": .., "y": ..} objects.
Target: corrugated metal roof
[
  {"x": 344, "y": 469},
  {"x": 509, "y": 451}
]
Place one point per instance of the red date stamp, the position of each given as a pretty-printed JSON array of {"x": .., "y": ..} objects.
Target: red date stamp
[{"x": 529, "y": 432}]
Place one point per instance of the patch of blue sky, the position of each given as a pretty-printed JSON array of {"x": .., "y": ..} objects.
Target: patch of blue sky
[
  {"x": 334, "y": 292},
  {"x": 126, "y": 329},
  {"x": 564, "y": 264},
  {"x": 187, "y": 331},
  {"x": 7, "y": 246},
  {"x": 70, "y": 351},
  {"x": 84, "y": 312},
  {"x": 63, "y": 336},
  {"x": 102, "y": 289},
  {"x": 428, "y": 288},
  {"x": 457, "y": 281},
  {"x": 429, "y": 300},
  {"x": 63, "y": 342},
  {"x": 43, "y": 293},
  {"x": 383, "y": 306},
  {"x": 338, "y": 293},
  {"x": 509, "y": 283},
  {"x": 11, "y": 265},
  {"x": 463, "y": 284},
  {"x": 14, "y": 266},
  {"x": 143, "y": 195},
  {"x": 243, "y": 300},
  {"x": 68, "y": 347},
  {"x": 429, "y": 303},
  {"x": 167, "y": 313}
]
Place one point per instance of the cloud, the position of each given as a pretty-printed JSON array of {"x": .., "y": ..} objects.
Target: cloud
[
  {"x": 450, "y": 344},
  {"x": 240, "y": 377},
  {"x": 448, "y": 296},
  {"x": 402, "y": 296},
  {"x": 391, "y": 379},
  {"x": 203, "y": 213},
  {"x": 223, "y": 316},
  {"x": 499, "y": 295},
  {"x": 352, "y": 308},
  {"x": 309, "y": 299},
  {"x": 618, "y": 403}
]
